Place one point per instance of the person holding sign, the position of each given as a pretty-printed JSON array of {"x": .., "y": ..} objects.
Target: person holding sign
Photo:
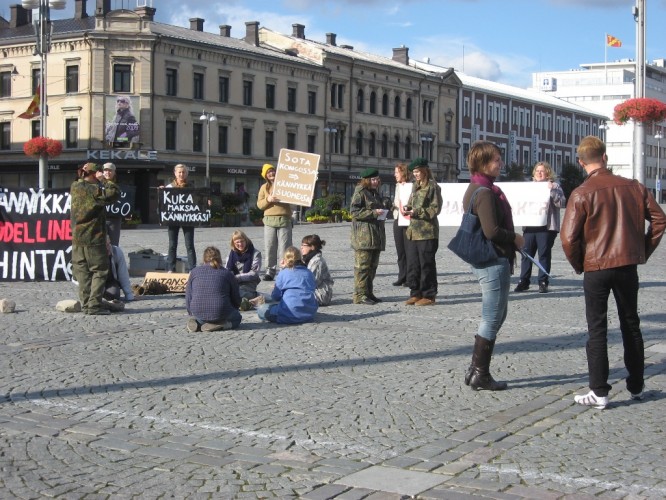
[
  {"x": 277, "y": 222},
  {"x": 113, "y": 221},
  {"x": 423, "y": 207},
  {"x": 542, "y": 238},
  {"x": 89, "y": 195},
  {"x": 180, "y": 181},
  {"x": 368, "y": 238}
]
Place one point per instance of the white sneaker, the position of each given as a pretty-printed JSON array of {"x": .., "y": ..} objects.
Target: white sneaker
[{"x": 590, "y": 399}]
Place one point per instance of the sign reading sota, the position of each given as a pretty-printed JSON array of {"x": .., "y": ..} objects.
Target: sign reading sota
[{"x": 295, "y": 177}]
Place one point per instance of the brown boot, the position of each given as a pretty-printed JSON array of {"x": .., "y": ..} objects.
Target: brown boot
[
  {"x": 412, "y": 300},
  {"x": 481, "y": 378}
]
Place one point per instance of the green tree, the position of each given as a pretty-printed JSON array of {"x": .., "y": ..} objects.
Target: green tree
[{"x": 572, "y": 176}]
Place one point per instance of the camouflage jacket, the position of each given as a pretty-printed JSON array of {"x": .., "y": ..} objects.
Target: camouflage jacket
[
  {"x": 426, "y": 204},
  {"x": 88, "y": 210},
  {"x": 367, "y": 232}
]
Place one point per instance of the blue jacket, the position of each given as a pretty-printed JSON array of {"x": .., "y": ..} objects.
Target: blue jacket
[{"x": 294, "y": 289}]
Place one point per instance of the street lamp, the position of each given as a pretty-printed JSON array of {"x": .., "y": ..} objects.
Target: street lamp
[
  {"x": 657, "y": 183},
  {"x": 42, "y": 25},
  {"x": 330, "y": 129},
  {"x": 602, "y": 130},
  {"x": 207, "y": 117},
  {"x": 426, "y": 145}
]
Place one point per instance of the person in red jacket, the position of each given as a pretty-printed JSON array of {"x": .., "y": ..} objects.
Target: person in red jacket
[{"x": 603, "y": 235}]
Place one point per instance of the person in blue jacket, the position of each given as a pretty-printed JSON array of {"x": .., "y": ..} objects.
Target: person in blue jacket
[{"x": 293, "y": 298}]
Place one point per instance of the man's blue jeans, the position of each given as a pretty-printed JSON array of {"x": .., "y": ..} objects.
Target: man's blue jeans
[
  {"x": 188, "y": 233},
  {"x": 495, "y": 282}
]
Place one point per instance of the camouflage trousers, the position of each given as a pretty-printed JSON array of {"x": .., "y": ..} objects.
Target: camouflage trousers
[
  {"x": 365, "y": 268},
  {"x": 90, "y": 266}
]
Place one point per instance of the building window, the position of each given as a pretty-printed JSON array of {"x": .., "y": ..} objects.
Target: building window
[
  {"x": 408, "y": 148},
  {"x": 291, "y": 99},
  {"x": 312, "y": 143},
  {"x": 72, "y": 79},
  {"x": 360, "y": 101},
  {"x": 71, "y": 133},
  {"x": 170, "y": 135},
  {"x": 384, "y": 145},
  {"x": 396, "y": 146},
  {"x": 222, "y": 139},
  {"x": 372, "y": 145},
  {"x": 197, "y": 137},
  {"x": 122, "y": 78},
  {"x": 312, "y": 102},
  {"x": 385, "y": 101},
  {"x": 247, "y": 141},
  {"x": 359, "y": 143},
  {"x": 270, "y": 143},
  {"x": 408, "y": 108},
  {"x": 396, "y": 107},
  {"x": 447, "y": 131},
  {"x": 247, "y": 93},
  {"x": 5, "y": 84},
  {"x": 427, "y": 110},
  {"x": 35, "y": 128},
  {"x": 5, "y": 136},
  {"x": 291, "y": 140},
  {"x": 198, "y": 86},
  {"x": 466, "y": 107},
  {"x": 373, "y": 102},
  {"x": 270, "y": 96},
  {"x": 35, "y": 80},
  {"x": 337, "y": 95},
  {"x": 223, "y": 84},
  {"x": 171, "y": 81}
]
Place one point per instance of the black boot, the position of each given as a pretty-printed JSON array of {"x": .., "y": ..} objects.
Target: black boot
[
  {"x": 481, "y": 378},
  {"x": 470, "y": 368}
]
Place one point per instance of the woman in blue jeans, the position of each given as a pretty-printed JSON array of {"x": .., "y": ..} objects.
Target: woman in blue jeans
[
  {"x": 180, "y": 181},
  {"x": 491, "y": 206}
]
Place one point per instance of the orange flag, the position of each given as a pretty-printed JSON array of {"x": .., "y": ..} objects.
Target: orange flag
[
  {"x": 33, "y": 109},
  {"x": 611, "y": 41}
]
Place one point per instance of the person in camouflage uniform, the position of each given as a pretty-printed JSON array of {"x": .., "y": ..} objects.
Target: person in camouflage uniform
[
  {"x": 424, "y": 206},
  {"x": 368, "y": 237},
  {"x": 89, "y": 195}
]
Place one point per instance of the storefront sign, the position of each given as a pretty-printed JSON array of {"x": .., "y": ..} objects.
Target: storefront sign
[
  {"x": 295, "y": 177},
  {"x": 120, "y": 154},
  {"x": 184, "y": 207}
]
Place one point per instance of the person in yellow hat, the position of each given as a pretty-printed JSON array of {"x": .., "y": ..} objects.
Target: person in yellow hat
[{"x": 277, "y": 223}]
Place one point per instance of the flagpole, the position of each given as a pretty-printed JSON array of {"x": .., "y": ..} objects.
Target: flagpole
[{"x": 605, "y": 58}]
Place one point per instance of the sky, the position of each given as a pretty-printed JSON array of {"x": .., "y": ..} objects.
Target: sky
[{"x": 503, "y": 41}]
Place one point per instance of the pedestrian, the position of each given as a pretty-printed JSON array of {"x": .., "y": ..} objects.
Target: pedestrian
[
  {"x": 89, "y": 195},
  {"x": 244, "y": 261},
  {"x": 179, "y": 182},
  {"x": 423, "y": 207},
  {"x": 368, "y": 238},
  {"x": 277, "y": 222},
  {"x": 212, "y": 297},
  {"x": 113, "y": 220},
  {"x": 542, "y": 238},
  {"x": 401, "y": 198},
  {"x": 293, "y": 297},
  {"x": 603, "y": 235},
  {"x": 491, "y": 206},
  {"x": 311, "y": 250},
  {"x": 118, "y": 277}
]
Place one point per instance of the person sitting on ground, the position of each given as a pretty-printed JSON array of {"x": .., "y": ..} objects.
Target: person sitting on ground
[
  {"x": 244, "y": 262},
  {"x": 311, "y": 247},
  {"x": 293, "y": 298},
  {"x": 118, "y": 277},
  {"x": 212, "y": 296}
]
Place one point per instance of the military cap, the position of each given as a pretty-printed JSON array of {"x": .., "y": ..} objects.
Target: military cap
[
  {"x": 369, "y": 172},
  {"x": 418, "y": 163}
]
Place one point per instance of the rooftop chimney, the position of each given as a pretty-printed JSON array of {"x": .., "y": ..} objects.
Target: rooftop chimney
[
  {"x": 225, "y": 30},
  {"x": 330, "y": 38},
  {"x": 196, "y": 24},
  {"x": 401, "y": 55},
  {"x": 298, "y": 30},
  {"x": 252, "y": 33},
  {"x": 146, "y": 13},
  {"x": 103, "y": 7},
  {"x": 80, "y": 9},
  {"x": 19, "y": 16}
]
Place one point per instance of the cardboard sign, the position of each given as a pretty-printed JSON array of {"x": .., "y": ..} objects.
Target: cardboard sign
[
  {"x": 184, "y": 207},
  {"x": 295, "y": 177},
  {"x": 175, "y": 282}
]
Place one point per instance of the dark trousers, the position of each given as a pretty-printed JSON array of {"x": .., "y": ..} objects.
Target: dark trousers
[
  {"x": 188, "y": 233},
  {"x": 422, "y": 268},
  {"x": 537, "y": 241},
  {"x": 400, "y": 237},
  {"x": 623, "y": 282}
]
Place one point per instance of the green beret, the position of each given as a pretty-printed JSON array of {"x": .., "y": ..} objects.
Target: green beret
[
  {"x": 417, "y": 163},
  {"x": 369, "y": 172}
]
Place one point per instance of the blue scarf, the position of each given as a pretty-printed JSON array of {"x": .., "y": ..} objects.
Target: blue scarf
[{"x": 246, "y": 258}]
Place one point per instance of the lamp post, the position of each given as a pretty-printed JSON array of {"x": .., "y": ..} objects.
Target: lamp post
[
  {"x": 602, "y": 130},
  {"x": 330, "y": 129},
  {"x": 207, "y": 117},
  {"x": 42, "y": 26},
  {"x": 657, "y": 181}
]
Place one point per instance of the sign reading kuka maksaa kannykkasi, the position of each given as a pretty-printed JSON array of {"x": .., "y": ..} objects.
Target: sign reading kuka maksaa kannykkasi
[{"x": 295, "y": 177}]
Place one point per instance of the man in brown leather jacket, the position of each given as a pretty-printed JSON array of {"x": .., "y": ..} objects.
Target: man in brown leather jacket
[{"x": 603, "y": 234}]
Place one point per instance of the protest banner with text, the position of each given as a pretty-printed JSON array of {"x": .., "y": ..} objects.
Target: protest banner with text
[
  {"x": 125, "y": 205},
  {"x": 295, "y": 177},
  {"x": 184, "y": 206}
]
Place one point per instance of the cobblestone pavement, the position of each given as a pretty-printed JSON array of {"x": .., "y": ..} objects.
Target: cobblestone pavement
[{"x": 367, "y": 402}]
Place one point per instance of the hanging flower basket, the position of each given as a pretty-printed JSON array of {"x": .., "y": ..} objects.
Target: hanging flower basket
[
  {"x": 39, "y": 146},
  {"x": 642, "y": 109}
]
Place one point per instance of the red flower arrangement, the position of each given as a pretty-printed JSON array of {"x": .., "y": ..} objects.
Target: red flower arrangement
[
  {"x": 642, "y": 109},
  {"x": 39, "y": 146}
]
